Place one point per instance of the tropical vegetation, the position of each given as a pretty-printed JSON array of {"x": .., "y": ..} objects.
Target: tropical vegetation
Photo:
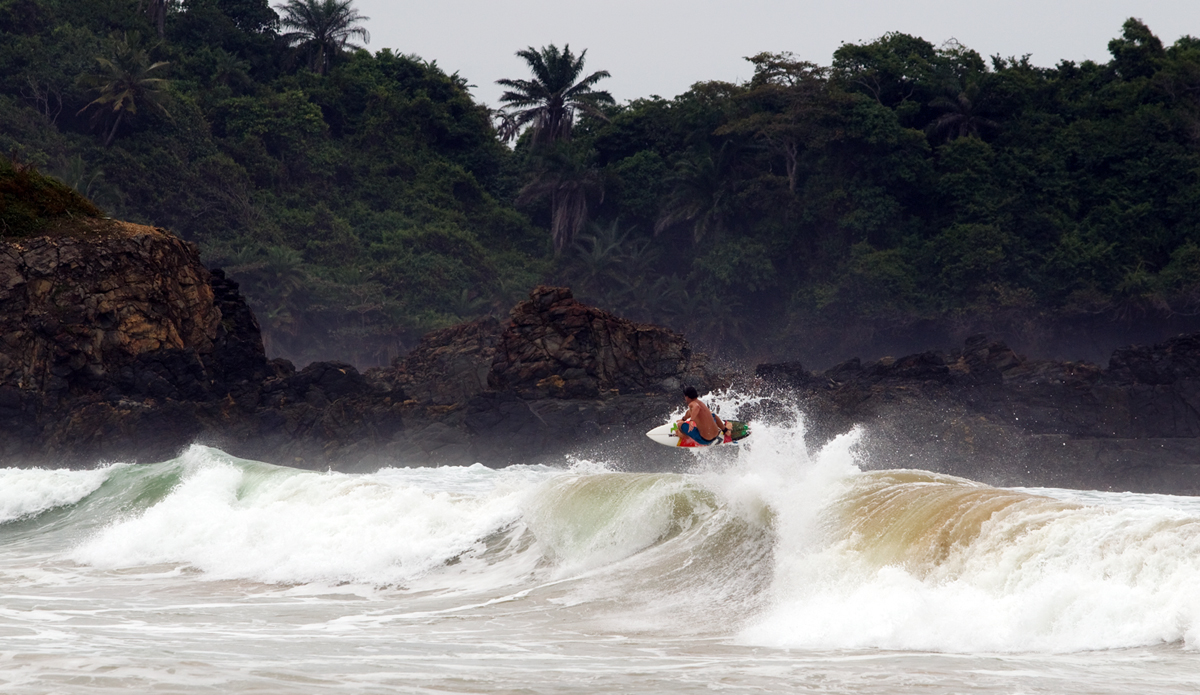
[
  {"x": 322, "y": 29},
  {"x": 363, "y": 198}
]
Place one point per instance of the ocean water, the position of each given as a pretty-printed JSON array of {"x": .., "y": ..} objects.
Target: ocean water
[{"x": 764, "y": 569}]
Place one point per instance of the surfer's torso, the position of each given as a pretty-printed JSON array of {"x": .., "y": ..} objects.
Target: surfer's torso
[{"x": 703, "y": 419}]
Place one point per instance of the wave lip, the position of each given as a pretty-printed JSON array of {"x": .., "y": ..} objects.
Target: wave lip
[
  {"x": 919, "y": 561},
  {"x": 234, "y": 519},
  {"x": 27, "y": 492}
]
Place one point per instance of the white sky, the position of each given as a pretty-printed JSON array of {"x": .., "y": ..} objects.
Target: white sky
[{"x": 664, "y": 46}]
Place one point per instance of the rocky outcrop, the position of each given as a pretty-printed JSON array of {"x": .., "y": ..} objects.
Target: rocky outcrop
[
  {"x": 120, "y": 345},
  {"x": 554, "y": 376},
  {"x": 74, "y": 310},
  {"x": 449, "y": 366},
  {"x": 115, "y": 337},
  {"x": 117, "y": 344},
  {"x": 556, "y": 347},
  {"x": 987, "y": 413}
]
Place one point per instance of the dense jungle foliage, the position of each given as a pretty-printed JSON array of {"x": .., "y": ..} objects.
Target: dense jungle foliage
[{"x": 362, "y": 198}]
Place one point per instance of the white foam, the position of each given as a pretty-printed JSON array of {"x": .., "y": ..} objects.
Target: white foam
[
  {"x": 1123, "y": 571},
  {"x": 1075, "y": 579},
  {"x": 1120, "y": 571},
  {"x": 296, "y": 527},
  {"x": 26, "y": 492}
]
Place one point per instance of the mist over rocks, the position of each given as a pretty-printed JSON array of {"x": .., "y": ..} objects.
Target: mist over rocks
[
  {"x": 122, "y": 346},
  {"x": 117, "y": 344},
  {"x": 986, "y": 413}
]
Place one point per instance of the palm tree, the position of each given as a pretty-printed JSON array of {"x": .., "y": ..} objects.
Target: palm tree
[
  {"x": 572, "y": 186},
  {"x": 124, "y": 81},
  {"x": 598, "y": 264},
  {"x": 702, "y": 194},
  {"x": 548, "y": 102},
  {"x": 962, "y": 114},
  {"x": 88, "y": 183},
  {"x": 613, "y": 270},
  {"x": 322, "y": 28},
  {"x": 156, "y": 12}
]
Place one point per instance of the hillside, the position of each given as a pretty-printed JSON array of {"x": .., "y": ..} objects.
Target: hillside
[{"x": 902, "y": 196}]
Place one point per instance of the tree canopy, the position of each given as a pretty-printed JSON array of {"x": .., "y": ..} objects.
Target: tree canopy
[
  {"x": 322, "y": 29},
  {"x": 361, "y": 199},
  {"x": 549, "y": 102}
]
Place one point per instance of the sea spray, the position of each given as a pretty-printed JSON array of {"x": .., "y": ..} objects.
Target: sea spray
[
  {"x": 245, "y": 520},
  {"x": 27, "y": 492},
  {"x": 927, "y": 562},
  {"x": 913, "y": 560},
  {"x": 765, "y": 543}
]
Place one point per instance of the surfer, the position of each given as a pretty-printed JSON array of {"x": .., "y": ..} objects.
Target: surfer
[{"x": 699, "y": 423}]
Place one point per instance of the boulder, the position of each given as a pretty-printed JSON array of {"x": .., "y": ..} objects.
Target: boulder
[
  {"x": 556, "y": 347},
  {"x": 557, "y": 375},
  {"x": 75, "y": 310}
]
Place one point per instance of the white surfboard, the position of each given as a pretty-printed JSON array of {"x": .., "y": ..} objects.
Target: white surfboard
[{"x": 668, "y": 435}]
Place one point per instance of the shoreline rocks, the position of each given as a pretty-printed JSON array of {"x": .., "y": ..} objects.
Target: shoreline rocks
[
  {"x": 989, "y": 414},
  {"x": 118, "y": 345}
]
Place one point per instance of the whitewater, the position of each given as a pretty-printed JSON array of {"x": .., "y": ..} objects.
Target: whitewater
[{"x": 768, "y": 568}]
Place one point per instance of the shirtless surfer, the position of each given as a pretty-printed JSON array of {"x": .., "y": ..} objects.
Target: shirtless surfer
[{"x": 699, "y": 423}]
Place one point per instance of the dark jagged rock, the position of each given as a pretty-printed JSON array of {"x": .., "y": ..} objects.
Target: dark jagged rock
[
  {"x": 989, "y": 414},
  {"x": 122, "y": 346},
  {"x": 449, "y": 366},
  {"x": 117, "y": 344},
  {"x": 238, "y": 355},
  {"x": 556, "y": 374},
  {"x": 556, "y": 347}
]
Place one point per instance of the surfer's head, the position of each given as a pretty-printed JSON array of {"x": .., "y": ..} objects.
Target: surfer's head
[{"x": 690, "y": 393}]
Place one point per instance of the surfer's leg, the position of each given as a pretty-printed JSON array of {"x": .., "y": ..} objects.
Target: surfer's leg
[{"x": 693, "y": 433}]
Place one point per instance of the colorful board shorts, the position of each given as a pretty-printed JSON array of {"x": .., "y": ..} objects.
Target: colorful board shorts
[{"x": 692, "y": 431}]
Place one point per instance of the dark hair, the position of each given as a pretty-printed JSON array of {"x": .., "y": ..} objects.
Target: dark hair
[{"x": 690, "y": 392}]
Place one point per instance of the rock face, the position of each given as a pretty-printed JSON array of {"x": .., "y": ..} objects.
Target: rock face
[
  {"x": 117, "y": 344},
  {"x": 556, "y": 347},
  {"x": 112, "y": 337},
  {"x": 989, "y": 414},
  {"x": 120, "y": 345},
  {"x": 557, "y": 374},
  {"x": 74, "y": 311}
]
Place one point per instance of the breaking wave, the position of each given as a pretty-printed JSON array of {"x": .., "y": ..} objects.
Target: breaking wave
[{"x": 772, "y": 546}]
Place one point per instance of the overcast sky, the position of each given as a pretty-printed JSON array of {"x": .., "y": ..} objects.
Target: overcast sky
[{"x": 664, "y": 46}]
